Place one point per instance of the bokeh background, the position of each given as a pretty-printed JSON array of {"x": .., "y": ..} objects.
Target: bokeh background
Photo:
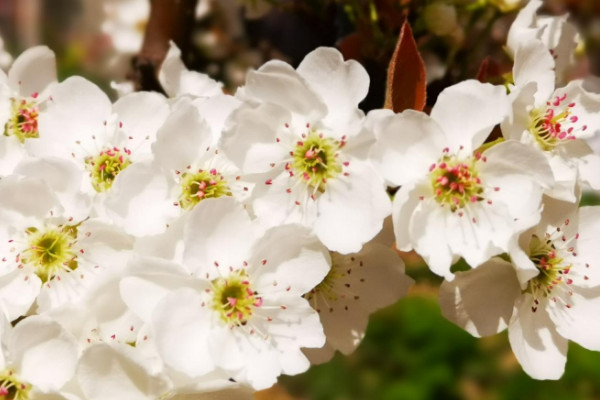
[{"x": 410, "y": 351}]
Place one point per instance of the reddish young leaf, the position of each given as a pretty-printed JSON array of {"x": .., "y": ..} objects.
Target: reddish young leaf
[
  {"x": 406, "y": 82},
  {"x": 483, "y": 70}
]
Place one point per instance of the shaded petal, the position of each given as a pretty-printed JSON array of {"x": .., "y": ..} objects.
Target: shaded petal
[
  {"x": 341, "y": 84},
  {"x": 277, "y": 82},
  {"x": 407, "y": 145},
  {"x": 33, "y": 71},
  {"x": 339, "y": 226},
  {"x": 45, "y": 354},
  {"x": 481, "y": 300},
  {"x": 181, "y": 324},
  {"x": 541, "y": 351},
  {"x": 218, "y": 232},
  {"x": 468, "y": 111},
  {"x": 534, "y": 63}
]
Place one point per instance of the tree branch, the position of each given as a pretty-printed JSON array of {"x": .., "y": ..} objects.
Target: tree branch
[{"x": 169, "y": 20}]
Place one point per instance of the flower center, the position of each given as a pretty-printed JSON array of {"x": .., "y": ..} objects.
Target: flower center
[
  {"x": 51, "y": 251},
  {"x": 455, "y": 182},
  {"x": 11, "y": 388},
  {"x": 233, "y": 298},
  {"x": 23, "y": 122},
  {"x": 327, "y": 286},
  {"x": 105, "y": 167},
  {"x": 553, "y": 267},
  {"x": 315, "y": 159},
  {"x": 555, "y": 123},
  {"x": 201, "y": 185}
]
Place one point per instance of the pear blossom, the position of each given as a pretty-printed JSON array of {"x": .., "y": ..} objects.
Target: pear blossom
[
  {"x": 355, "y": 286},
  {"x": 235, "y": 303},
  {"x": 101, "y": 140},
  {"x": 457, "y": 199},
  {"x": 556, "y": 301},
  {"x": 554, "y": 121},
  {"x": 558, "y": 35},
  {"x": 47, "y": 255},
  {"x": 187, "y": 169},
  {"x": 302, "y": 136},
  {"x": 23, "y": 93}
]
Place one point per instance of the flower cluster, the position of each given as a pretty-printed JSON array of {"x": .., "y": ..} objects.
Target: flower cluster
[{"x": 207, "y": 243}]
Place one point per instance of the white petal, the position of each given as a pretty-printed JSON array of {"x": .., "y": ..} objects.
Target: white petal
[
  {"x": 137, "y": 185},
  {"x": 581, "y": 322},
  {"x": 105, "y": 372},
  {"x": 218, "y": 233},
  {"x": 139, "y": 116},
  {"x": 534, "y": 63},
  {"x": 428, "y": 235},
  {"x": 33, "y": 71},
  {"x": 341, "y": 84},
  {"x": 215, "y": 111},
  {"x": 150, "y": 280},
  {"x": 481, "y": 300},
  {"x": 46, "y": 355},
  {"x": 181, "y": 138},
  {"x": 468, "y": 111},
  {"x": 181, "y": 325},
  {"x": 250, "y": 142},
  {"x": 406, "y": 200},
  {"x": 541, "y": 351},
  {"x": 293, "y": 258},
  {"x": 521, "y": 30},
  {"x": 277, "y": 82},
  {"x": 407, "y": 145},
  {"x": 78, "y": 108},
  {"x": 338, "y": 225},
  {"x": 587, "y": 245}
]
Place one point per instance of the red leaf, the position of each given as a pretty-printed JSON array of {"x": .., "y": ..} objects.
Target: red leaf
[
  {"x": 406, "y": 82},
  {"x": 483, "y": 70}
]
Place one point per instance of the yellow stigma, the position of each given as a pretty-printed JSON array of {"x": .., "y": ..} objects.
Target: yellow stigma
[
  {"x": 23, "y": 122},
  {"x": 105, "y": 167},
  {"x": 234, "y": 299},
  {"x": 11, "y": 388},
  {"x": 51, "y": 251},
  {"x": 201, "y": 185},
  {"x": 315, "y": 159},
  {"x": 455, "y": 182}
]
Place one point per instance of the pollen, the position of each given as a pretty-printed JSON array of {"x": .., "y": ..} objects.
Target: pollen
[
  {"x": 455, "y": 182},
  {"x": 105, "y": 167},
  {"x": 201, "y": 185},
  {"x": 555, "y": 123},
  {"x": 51, "y": 251},
  {"x": 315, "y": 159},
  {"x": 23, "y": 122},
  {"x": 233, "y": 298},
  {"x": 11, "y": 388}
]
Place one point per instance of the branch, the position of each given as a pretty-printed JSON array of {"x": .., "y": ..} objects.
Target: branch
[{"x": 169, "y": 20}]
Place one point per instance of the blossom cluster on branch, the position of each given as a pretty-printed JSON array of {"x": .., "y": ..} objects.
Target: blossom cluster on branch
[{"x": 204, "y": 243}]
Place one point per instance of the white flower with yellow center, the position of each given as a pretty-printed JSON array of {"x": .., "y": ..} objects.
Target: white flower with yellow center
[
  {"x": 104, "y": 141},
  {"x": 557, "y": 122},
  {"x": 455, "y": 199},
  {"x": 236, "y": 301},
  {"x": 48, "y": 255},
  {"x": 302, "y": 135},
  {"x": 355, "y": 286},
  {"x": 37, "y": 359},
  {"x": 188, "y": 169},
  {"x": 549, "y": 294},
  {"x": 23, "y": 93},
  {"x": 559, "y": 37}
]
